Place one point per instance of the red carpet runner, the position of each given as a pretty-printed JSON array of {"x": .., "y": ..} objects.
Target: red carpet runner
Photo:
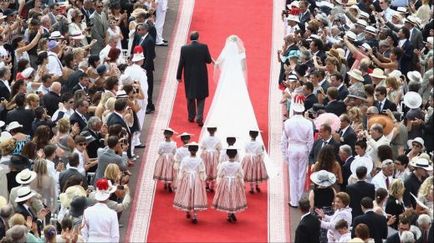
[{"x": 215, "y": 20}]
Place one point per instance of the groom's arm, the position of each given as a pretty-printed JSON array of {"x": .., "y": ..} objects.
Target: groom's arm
[
  {"x": 208, "y": 56},
  {"x": 180, "y": 65}
]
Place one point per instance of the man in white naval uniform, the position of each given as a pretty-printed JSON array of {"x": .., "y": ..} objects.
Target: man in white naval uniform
[
  {"x": 297, "y": 141},
  {"x": 136, "y": 73},
  {"x": 159, "y": 21}
]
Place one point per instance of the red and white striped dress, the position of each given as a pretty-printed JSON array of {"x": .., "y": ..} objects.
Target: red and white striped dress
[
  {"x": 211, "y": 147},
  {"x": 191, "y": 193},
  {"x": 230, "y": 195},
  {"x": 253, "y": 163},
  {"x": 164, "y": 166}
]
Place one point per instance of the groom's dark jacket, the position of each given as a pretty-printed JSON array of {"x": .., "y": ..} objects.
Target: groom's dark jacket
[{"x": 193, "y": 60}]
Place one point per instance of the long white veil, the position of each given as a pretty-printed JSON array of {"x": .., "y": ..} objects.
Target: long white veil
[{"x": 231, "y": 109}]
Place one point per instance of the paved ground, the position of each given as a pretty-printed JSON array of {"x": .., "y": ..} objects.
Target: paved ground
[{"x": 160, "y": 63}]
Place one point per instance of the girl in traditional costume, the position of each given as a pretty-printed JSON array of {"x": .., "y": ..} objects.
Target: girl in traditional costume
[
  {"x": 211, "y": 147},
  {"x": 164, "y": 166},
  {"x": 253, "y": 163}
]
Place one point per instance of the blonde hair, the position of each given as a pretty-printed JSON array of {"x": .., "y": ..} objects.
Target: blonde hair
[
  {"x": 397, "y": 188},
  {"x": 392, "y": 82},
  {"x": 8, "y": 146},
  {"x": 32, "y": 97},
  {"x": 426, "y": 187},
  {"x": 104, "y": 97},
  {"x": 355, "y": 114},
  {"x": 110, "y": 104},
  {"x": 17, "y": 219},
  {"x": 40, "y": 167},
  {"x": 112, "y": 172},
  {"x": 63, "y": 125}
]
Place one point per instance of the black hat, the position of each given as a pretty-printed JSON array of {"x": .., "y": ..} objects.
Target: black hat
[
  {"x": 78, "y": 205},
  {"x": 20, "y": 161},
  {"x": 9, "y": 12}
]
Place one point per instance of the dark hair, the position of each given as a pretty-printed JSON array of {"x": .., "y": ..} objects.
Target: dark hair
[
  {"x": 194, "y": 35},
  {"x": 49, "y": 150},
  {"x": 380, "y": 194},
  {"x": 14, "y": 43},
  {"x": 121, "y": 104},
  {"x": 79, "y": 139},
  {"x": 381, "y": 89},
  {"x": 333, "y": 92},
  {"x": 367, "y": 203},
  {"x": 362, "y": 231},
  {"x": 46, "y": 77},
  {"x": 73, "y": 180},
  {"x": 193, "y": 149},
  {"x": 128, "y": 88},
  {"x": 92, "y": 60},
  {"x": 22, "y": 64},
  {"x": 114, "y": 130},
  {"x": 318, "y": 43},
  {"x": 362, "y": 144},
  {"x": 231, "y": 153},
  {"x": 337, "y": 75},
  {"x": 384, "y": 152},
  {"x": 341, "y": 224},
  {"x": 414, "y": 86},
  {"x": 397, "y": 52},
  {"x": 112, "y": 141},
  {"x": 41, "y": 57},
  {"x": 68, "y": 59},
  {"x": 66, "y": 96},
  {"x": 111, "y": 82},
  {"x": 29, "y": 150},
  {"x": 326, "y": 127},
  {"x": 20, "y": 98},
  {"x": 42, "y": 136},
  {"x": 304, "y": 204},
  {"x": 361, "y": 172},
  {"x": 66, "y": 223},
  {"x": 253, "y": 134},
  {"x": 406, "y": 32},
  {"x": 403, "y": 159},
  {"x": 73, "y": 160},
  {"x": 113, "y": 54},
  {"x": 231, "y": 140},
  {"x": 309, "y": 86},
  {"x": 326, "y": 158},
  {"x": 39, "y": 112}
]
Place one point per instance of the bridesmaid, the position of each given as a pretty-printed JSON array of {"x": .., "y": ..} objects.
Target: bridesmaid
[
  {"x": 190, "y": 195},
  {"x": 253, "y": 163},
  {"x": 210, "y": 147},
  {"x": 164, "y": 165},
  {"x": 230, "y": 196},
  {"x": 181, "y": 153}
]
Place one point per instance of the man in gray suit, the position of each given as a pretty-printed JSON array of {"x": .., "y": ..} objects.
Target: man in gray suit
[
  {"x": 108, "y": 156},
  {"x": 416, "y": 38},
  {"x": 99, "y": 24}
]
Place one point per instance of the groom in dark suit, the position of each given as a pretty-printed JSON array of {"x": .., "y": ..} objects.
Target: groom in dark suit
[{"x": 193, "y": 60}]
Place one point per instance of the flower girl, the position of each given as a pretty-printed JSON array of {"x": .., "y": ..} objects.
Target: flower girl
[
  {"x": 164, "y": 165},
  {"x": 210, "y": 148},
  {"x": 230, "y": 195},
  {"x": 190, "y": 195},
  {"x": 253, "y": 162},
  {"x": 223, "y": 156},
  {"x": 181, "y": 153}
]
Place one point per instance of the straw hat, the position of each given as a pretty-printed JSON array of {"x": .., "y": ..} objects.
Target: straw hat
[
  {"x": 13, "y": 125},
  {"x": 385, "y": 121},
  {"x": 377, "y": 73},
  {"x": 356, "y": 74},
  {"x": 77, "y": 35},
  {"x": 71, "y": 193},
  {"x": 412, "y": 20},
  {"x": 419, "y": 162},
  {"x": 104, "y": 188},
  {"x": 23, "y": 194},
  {"x": 185, "y": 134},
  {"x": 412, "y": 100},
  {"x": 395, "y": 73},
  {"x": 418, "y": 140},
  {"x": 168, "y": 129},
  {"x": 292, "y": 18},
  {"x": 414, "y": 76},
  {"x": 362, "y": 23},
  {"x": 361, "y": 161},
  {"x": 323, "y": 178},
  {"x": 2, "y": 123},
  {"x": 371, "y": 29},
  {"x": 351, "y": 35},
  {"x": 25, "y": 177},
  {"x": 5, "y": 137}
]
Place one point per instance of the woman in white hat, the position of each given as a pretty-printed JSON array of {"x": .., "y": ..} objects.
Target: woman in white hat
[
  {"x": 416, "y": 147},
  {"x": 322, "y": 195},
  {"x": 15, "y": 129}
]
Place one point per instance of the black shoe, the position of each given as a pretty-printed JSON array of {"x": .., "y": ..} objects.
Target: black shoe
[
  {"x": 165, "y": 41},
  {"x": 252, "y": 191},
  {"x": 149, "y": 111},
  {"x": 233, "y": 217},
  {"x": 169, "y": 188},
  {"x": 200, "y": 123},
  {"x": 229, "y": 219},
  {"x": 258, "y": 189},
  {"x": 162, "y": 44},
  {"x": 140, "y": 146},
  {"x": 190, "y": 120},
  {"x": 194, "y": 221},
  {"x": 292, "y": 206},
  {"x": 188, "y": 215}
]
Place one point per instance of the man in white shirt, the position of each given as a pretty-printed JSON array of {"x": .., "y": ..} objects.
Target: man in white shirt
[
  {"x": 112, "y": 42},
  {"x": 54, "y": 65},
  {"x": 297, "y": 141},
  {"x": 384, "y": 178},
  {"x": 374, "y": 140}
]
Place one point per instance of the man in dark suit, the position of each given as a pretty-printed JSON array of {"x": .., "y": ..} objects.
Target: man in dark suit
[
  {"x": 316, "y": 48},
  {"x": 346, "y": 132},
  {"x": 382, "y": 103},
  {"x": 407, "y": 62},
  {"x": 83, "y": 84},
  {"x": 426, "y": 227},
  {"x": 325, "y": 134},
  {"x": 87, "y": 10},
  {"x": 23, "y": 116},
  {"x": 337, "y": 81},
  {"x": 404, "y": 225},
  {"x": 376, "y": 223},
  {"x": 80, "y": 113},
  {"x": 51, "y": 100},
  {"x": 416, "y": 37},
  {"x": 359, "y": 190},
  {"x": 193, "y": 60},
  {"x": 117, "y": 118},
  {"x": 73, "y": 161},
  {"x": 148, "y": 44},
  {"x": 74, "y": 78},
  {"x": 346, "y": 158},
  {"x": 93, "y": 135},
  {"x": 334, "y": 105},
  {"x": 5, "y": 88},
  {"x": 304, "y": 16},
  {"x": 310, "y": 98},
  {"x": 308, "y": 229},
  {"x": 24, "y": 206}
]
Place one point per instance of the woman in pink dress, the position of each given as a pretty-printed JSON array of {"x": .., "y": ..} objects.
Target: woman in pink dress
[
  {"x": 164, "y": 166},
  {"x": 230, "y": 195},
  {"x": 253, "y": 163},
  {"x": 211, "y": 147},
  {"x": 190, "y": 195}
]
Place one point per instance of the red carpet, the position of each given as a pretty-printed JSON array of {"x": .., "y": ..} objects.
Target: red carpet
[{"x": 215, "y": 20}]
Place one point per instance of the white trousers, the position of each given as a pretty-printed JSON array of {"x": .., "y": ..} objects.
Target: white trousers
[
  {"x": 298, "y": 161},
  {"x": 159, "y": 21}
]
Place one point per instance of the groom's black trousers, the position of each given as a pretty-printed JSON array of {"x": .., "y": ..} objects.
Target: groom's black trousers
[{"x": 191, "y": 107}]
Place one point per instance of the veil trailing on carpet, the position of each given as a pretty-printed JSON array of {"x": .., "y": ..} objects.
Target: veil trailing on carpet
[{"x": 231, "y": 109}]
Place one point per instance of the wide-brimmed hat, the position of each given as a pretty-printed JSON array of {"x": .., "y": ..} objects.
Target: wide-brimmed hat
[
  {"x": 412, "y": 100},
  {"x": 88, "y": 136},
  {"x": 363, "y": 14},
  {"x": 402, "y": 10},
  {"x": 395, "y": 73},
  {"x": 292, "y": 18},
  {"x": 371, "y": 29},
  {"x": 168, "y": 129},
  {"x": 351, "y": 35},
  {"x": 384, "y": 121},
  {"x": 361, "y": 161},
  {"x": 366, "y": 46},
  {"x": 25, "y": 177},
  {"x": 138, "y": 11},
  {"x": 23, "y": 194},
  {"x": 362, "y": 23},
  {"x": 414, "y": 76},
  {"x": 418, "y": 140},
  {"x": 13, "y": 125},
  {"x": 356, "y": 74},
  {"x": 77, "y": 35},
  {"x": 55, "y": 35},
  {"x": 298, "y": 105},
  {"x": 185, "y": 134},
  {"x": 2, "y": 123},
  {"x": 71, "y": 193},
  {"x": 323, "y": 178},
  {"x": 26, "y": 73},
  {"x": 78, "y": 205},
  {"x": 5, "y": 137},
  {"x": 412, "y": 20},
  {"x": 104, "y": 188},
  {"x": 419, "y": 162},
  {"x": 377, "y": 73},
  {"x": 138, "y": 57},
  {"x": 357, "y": 94}
]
